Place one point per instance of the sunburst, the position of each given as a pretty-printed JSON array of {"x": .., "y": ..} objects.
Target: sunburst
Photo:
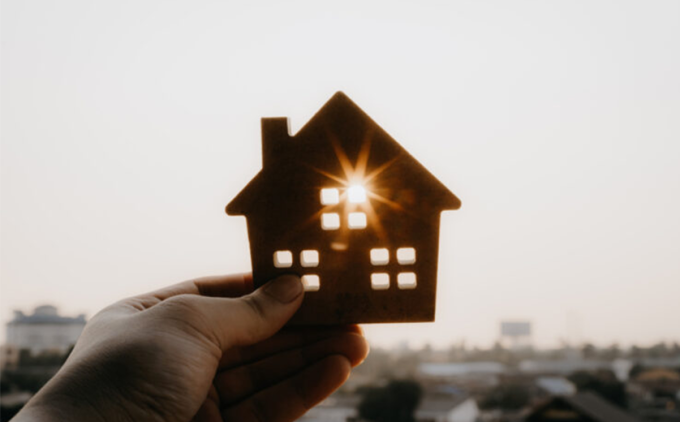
[{"x": 355, "y": 176}]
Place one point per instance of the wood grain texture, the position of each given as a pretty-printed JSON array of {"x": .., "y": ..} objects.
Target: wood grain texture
[{"x": 338, "y": 148}]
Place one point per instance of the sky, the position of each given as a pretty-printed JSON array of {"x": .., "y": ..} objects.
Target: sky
[{"x": 128, "y": 125}]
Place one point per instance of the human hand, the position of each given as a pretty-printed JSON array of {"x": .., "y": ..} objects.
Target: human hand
[{"x": 202, "y": 350}]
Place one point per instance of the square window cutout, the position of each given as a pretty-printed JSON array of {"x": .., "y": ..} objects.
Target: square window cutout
[
  {"x": 406, "y": 256},
  {"x": 330, "y": 221},
  {"x": 357, "y": 220},
  {"x": 309, "y": 258},
  {"x": 380, "y": 256},
  {"x": 356, "y": 194},
  {"x": 330, "y": 196},
  {"x": 406, "y": 281},
  {"x": 283, "y": 259},
  {"x": 380, "y": 281},
  {"x": 311, "y": 283}
]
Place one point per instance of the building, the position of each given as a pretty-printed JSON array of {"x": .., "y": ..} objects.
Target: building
[
  {"x": 470, "y": 375},
  {"x": 516, "y": 334},
  {"x": 451, "y": 370},
  {"x": 447, "y": 409},
  {"x": 555, "y": 386},
  {"x": 580, "y": 407},
  {"x": 343, "y": 205},
  {"x": 432, "y": 408},
  {"x": 561, "y": 367},
  {"x": 44, "y": 330},
  {"x": 9, "y": 357}
]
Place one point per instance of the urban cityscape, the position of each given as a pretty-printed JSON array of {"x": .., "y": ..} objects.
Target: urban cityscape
[{"x": 510, "y": 382}]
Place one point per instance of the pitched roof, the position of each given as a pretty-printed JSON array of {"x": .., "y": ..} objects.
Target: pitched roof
[
  {"x": 598, "y": 408},
  {"x": 590, "y": 405},
  {"x": 340, "y": 115},
  {"x": 440, "y": 404}
]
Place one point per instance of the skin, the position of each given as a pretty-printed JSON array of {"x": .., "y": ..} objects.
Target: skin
[{"x": 202, "y": 350}]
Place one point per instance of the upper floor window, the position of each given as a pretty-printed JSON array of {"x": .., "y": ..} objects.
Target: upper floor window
[
  {"x": 356, "y": 194},
  {"x": 330, "y": 196}
]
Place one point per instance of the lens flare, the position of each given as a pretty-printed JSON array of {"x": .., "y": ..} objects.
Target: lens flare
[{"x": 356, "y": 194}]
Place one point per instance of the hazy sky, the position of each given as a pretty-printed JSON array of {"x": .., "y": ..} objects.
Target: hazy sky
[{"x": 127, "y": 126}]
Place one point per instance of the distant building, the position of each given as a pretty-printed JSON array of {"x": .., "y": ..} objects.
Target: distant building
[
  {"x": 516, "y": 334},
  {"x": 458, "y": 369},
  {"x": 9, "y": 357},
  {"x": 556, "y": 386},
  {"x": 440, "y": 409},
  {"x": 586, "y": 407},
  {"x": 432, "y": 408},
  {"x": 44, "y": 330},
  {"x": 472, "y": 375},
  {"x": 661, "y": 382},
  {"x": 561, "y": 367}
]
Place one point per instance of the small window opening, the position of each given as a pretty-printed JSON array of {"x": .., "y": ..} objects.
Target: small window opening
[
  {"x": 330, "y": 196},
  {"x": 330, "y": 221},
  {"x": 380, "y": 281},
  {"x": 356, "y": 194},
  {"x": 309, "y": 258},
  {"x": 357, "y": 220},
  {"x": 283, "y": 259},
  {"x": 380, "y": 256},
  {"x": 406, "y": 281},
  {"x": 406, "y": 256},
  {"x": 311, "y": 283}
]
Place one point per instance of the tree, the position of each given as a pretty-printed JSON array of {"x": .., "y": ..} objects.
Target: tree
[
  {"x": 589, "y": 351},
  {"x": 603, "y": 383},
  {"x": 636, "y": 370},
  {"x": 396, "y": 402}
]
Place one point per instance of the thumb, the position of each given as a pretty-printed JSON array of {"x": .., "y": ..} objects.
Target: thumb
[{"x": 254, "y": 317}]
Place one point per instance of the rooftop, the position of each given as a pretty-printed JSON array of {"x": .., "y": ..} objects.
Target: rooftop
[{"x": 45, "y": 314}]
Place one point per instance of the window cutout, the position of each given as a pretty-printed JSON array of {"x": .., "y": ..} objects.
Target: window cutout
[
  {"x": 309, "y": 258},
  {"x": 380, "y": 256},
  {"x": 330, "y": 221},
  {"x": 406, "y": 256},
  {"x": 406, "y": 281},
  {"x": 356, "y": 194},
  {"x": 357, "y": 220},
  {"x": 330, "y": 196},
  {"x": 283, "y": 259},
  {"x": 380, "y": 281},
  {"x": 311, "y": 283}
]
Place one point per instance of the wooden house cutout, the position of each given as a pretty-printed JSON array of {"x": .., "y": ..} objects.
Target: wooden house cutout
[{"x": 345, "y": 207}]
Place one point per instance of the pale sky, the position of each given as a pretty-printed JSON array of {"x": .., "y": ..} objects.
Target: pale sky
[{"x": 127, "y": 126}]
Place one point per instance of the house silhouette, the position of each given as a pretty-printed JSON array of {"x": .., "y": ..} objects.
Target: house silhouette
[{"x": 344, "y": 206}]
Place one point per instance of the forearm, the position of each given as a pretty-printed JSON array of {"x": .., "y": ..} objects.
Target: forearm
[
  {"x": 71, "y": 395},
  {"x": 50, "y": 406}
]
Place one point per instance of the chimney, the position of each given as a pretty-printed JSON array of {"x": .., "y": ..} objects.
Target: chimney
[{"x": 275, "y": 138}]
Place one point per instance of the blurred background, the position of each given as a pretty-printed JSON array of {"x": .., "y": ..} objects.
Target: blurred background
[{"x": 127, "y": 126}]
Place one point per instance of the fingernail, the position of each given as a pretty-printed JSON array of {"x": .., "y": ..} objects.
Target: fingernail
[{"x": 285, "y": 289}]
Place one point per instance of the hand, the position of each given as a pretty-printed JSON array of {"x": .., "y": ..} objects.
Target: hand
[{"x": 201, "y": 350}]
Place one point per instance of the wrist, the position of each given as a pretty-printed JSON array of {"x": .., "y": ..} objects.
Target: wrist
[{"x": 64, "y": 398}]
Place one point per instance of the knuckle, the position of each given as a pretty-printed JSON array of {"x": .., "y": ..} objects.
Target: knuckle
[
  {"x": 184, "y": 313},
  {"x": 181, "y": 304}
]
